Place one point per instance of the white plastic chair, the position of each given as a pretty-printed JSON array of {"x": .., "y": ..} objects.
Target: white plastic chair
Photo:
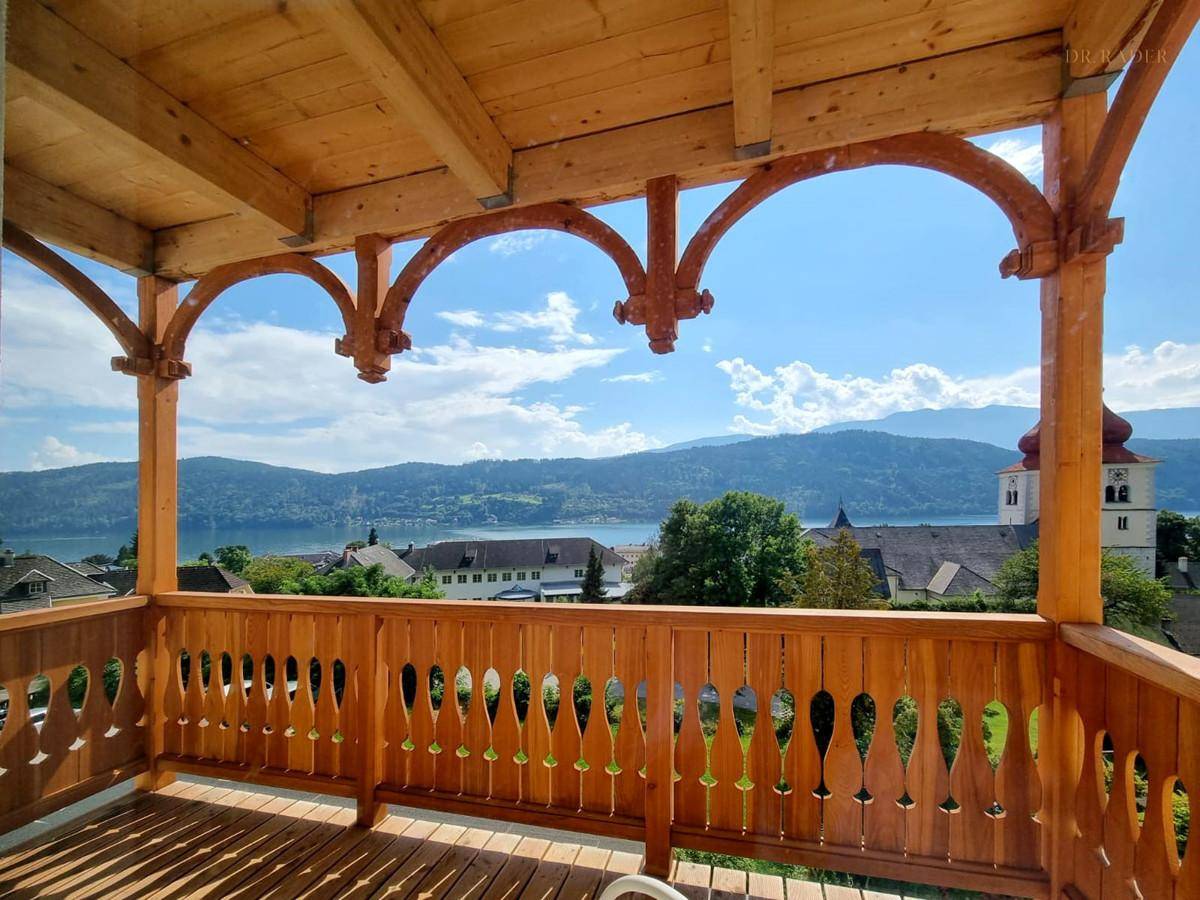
[{"x": 640, "y": 884}]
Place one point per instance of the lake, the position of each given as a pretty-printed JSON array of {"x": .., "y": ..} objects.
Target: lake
[{"x": 261, "y": 541}]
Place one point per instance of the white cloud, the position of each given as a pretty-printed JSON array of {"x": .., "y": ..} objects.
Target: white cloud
[
  {"x": 277, "y": 394},
  {"x": 1024, "y": 156},
  {"x": 637, "y": 377},
  {"x": 707, "y": 346},
  {"x": 556, "y": 319},
  {"x": 463, "y": 318},
  {"x": 798, "y": 397},
  {"x": 54, "y": 454},
  {"x": 520, "y": 242}
]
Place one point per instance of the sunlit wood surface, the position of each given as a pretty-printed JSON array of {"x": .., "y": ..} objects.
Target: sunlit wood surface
[{"x": 200, "y": 840}]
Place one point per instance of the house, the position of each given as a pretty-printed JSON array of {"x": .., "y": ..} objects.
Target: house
[
  {"x": 371, "y": 555},
  {"x": 34, "y": 581},
  {"x": 631, "y": 553},
  {"x": 208, "y": 579},
  {"x": 932, "y": 562},
  {"x": 1184, "y": 631},
  {"x": 520, "y": 569}
]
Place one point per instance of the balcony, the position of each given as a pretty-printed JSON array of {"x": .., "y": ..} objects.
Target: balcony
[{"x": 370, "y": 724}]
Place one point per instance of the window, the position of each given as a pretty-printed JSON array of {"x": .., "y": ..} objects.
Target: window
[
  {"x": 579, "y": 573},
  {"x": 520, "y": 576},
  {"x": 491, "y": 576},
  {"x": 35, "y": 587},
  {"x": 446, "y": 579},
  {"x": 507, "y": 576},
  {"x": 535, "y": 575},
  {"x": 1122, "y": 523},
  {"x": 1123, "y": 494},
  {"x": 1110, "y": 494},
  {"x": 462, "y": 579},
  {"x": 476, "y": 578}
]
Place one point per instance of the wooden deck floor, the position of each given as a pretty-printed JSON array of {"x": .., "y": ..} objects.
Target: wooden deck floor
[{"x": 200, "y": 840}]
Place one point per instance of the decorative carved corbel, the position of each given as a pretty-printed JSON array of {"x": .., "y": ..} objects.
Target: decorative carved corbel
[
  {"x": 1035, "y": 260},
  {"x": 1094, "y": 238}
]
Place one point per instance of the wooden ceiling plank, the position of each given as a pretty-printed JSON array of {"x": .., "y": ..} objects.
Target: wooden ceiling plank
[
  {"x": 67, "y": 220},
  {"x": 752, "y": 60},
  {"x": 1100, "y": 34},
  {"x": 992, "y": 88},
  {"x": 392, "y": 43},
  {"x": 67, "y": 71}
]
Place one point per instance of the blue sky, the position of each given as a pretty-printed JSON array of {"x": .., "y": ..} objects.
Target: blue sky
[{"x": 852, "y": 296}]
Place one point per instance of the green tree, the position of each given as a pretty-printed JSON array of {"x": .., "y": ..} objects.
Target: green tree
[
  {"x": 100, "y": 559},
  {"x": 234, "y": 558},
  {"x": 593, "y": 580},
  {"x": 372, "y": 537},
  {"x": 369, "y": 581},
  {"x": 1132, "y": 600},
  {"x": 128, "y": 553},
  {"x": 276, "y": 574},
  {"x": 732, "y": 551},
  {"x": 206, "y": 559},
  {"x": 836, "y": 577},
  {"x": 1176, "y": 535},
  {"x": 355, "y": 545}
]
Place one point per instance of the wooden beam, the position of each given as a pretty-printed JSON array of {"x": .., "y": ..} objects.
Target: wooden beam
[
  {"x": 66, "y": 71},
  {"x": 390, "y": 40},
  {"x": 1069, "y": 573},
  {"x": 1164, "y": 41},
  {"x": 67, "y": 220},
  {"x": 752, "y": 58},
  {"x": 1101, "y": 35},
  {"x": 1000, "y": 86}
]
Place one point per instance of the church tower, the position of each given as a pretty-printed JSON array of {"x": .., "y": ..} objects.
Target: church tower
[{"x": 1129, "y": 509}]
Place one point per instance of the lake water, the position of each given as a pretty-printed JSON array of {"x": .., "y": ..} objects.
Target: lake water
[{"x": 192, "y": 542}]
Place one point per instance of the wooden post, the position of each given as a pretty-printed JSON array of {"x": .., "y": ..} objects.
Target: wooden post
[
  {"x": 1069, "y": 588},
  {"x": 373, "y": 255},
  {"x": 660, "y": 745},
  {"x": 157, "y": 498},
  {"x": 662, "y": 254},
  {"x": 370, "y": 744}
]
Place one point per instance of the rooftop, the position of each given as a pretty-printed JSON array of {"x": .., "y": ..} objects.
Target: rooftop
[{"x": 530, "y": 553}]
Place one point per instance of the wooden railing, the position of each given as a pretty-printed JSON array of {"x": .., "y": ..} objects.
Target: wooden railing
[
  {"x": 1140, "y": 709},
  {"x": 71, "y": 707},
  {"x": 788, "y": 725}
]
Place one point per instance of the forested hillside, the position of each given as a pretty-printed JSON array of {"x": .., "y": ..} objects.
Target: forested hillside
[{"x": 879, "y": 475}]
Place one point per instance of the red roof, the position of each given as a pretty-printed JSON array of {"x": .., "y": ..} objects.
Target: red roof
[{"x": 1115, "y": 431}]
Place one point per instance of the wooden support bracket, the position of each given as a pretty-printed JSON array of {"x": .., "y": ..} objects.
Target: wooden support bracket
[
  {"x": 1093, "y": 239},
  {"x": 1035, "y": 260}
]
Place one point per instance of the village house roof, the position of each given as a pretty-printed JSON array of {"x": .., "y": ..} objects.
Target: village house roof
[
  {"x": 373, "y": 555},
  {"x": 62, "y": 583},
  {"x": 946, "y": 559},
  {"x": 206, "y": 579},
  {"x": 530, "y": 553}
]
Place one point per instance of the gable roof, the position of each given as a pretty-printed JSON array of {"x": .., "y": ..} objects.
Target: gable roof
[
  {"x": 207, "y": 579},
  {"x": 950, "y": 560},
  {"x": 375, "y": 555},
  {"x": 531, "y": 553},
  {"x": 62, "y": 582}
]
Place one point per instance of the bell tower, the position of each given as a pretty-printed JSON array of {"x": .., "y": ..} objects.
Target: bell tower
[{"x": 1128, "y": 506}]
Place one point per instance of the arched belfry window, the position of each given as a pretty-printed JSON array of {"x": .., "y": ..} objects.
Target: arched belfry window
[
  {"x": 1110, "y": 494},
  {"x": 1123, "y": 494}
]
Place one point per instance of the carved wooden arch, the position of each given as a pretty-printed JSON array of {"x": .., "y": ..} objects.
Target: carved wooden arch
[
  {"x": 138, "y": 348},
  {"x": 216, "y": 282},
  {"x": 390, "y": 337},
  {"x": 1033, "y": 222}
]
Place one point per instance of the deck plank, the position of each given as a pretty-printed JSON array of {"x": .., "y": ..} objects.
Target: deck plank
[
  {"x": 583, "y": 882},
  {"x": 476, "y": 881},
  {"x": 195, "y": 840}
]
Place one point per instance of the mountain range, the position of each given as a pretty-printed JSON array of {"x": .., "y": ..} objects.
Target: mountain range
[
  {"x": 999, "y": 425},
  {"x": 879, "y": 475}
]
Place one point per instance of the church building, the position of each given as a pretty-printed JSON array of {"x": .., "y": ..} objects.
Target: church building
[
  {"x": 932, "y": 562},
  {"x": 1128, "y": 515}
]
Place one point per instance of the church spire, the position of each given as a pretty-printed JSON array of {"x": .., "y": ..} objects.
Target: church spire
[{"x": 841, "y": 520}]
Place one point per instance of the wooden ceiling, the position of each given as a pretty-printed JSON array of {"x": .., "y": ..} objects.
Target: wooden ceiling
[{"x": 175, "y": 135}]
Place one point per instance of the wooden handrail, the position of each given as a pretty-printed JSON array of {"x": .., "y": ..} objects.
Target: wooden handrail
[
  {"x": 40, "y": 618},
  {"x": 1160, "y": 666},
  {"x": 1004, "y": 627}
]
